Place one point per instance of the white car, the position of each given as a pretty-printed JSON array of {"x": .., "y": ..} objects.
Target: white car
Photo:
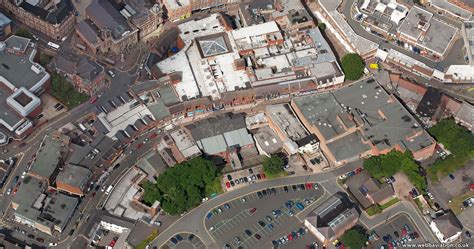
[
  {"x": 23, "y": 174},
  {"x": 9, "y": 191},
  {"x": 111, "y": 74},
  {"x": 53, "y": 244}
]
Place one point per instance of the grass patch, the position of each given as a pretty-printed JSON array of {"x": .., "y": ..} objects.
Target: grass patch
[
  {"x": 148, "y": 240},
  {"x": 64, "y": 91},
  {"x": 458, "y": 140},
  {"x": 456, "y": 203},
  {"x": 418, "y": 204},
  {"x": 44, "y": 59},
  {"x": 214, "y": 187},
  {"x": 390, "y": 203},
  {"x": 377, "y": 209},
  {"x": 276, "y": 175}
]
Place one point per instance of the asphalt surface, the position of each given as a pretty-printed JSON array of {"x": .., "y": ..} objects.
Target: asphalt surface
[
  {"x": 234, "y": 221},
  {"x": 396, "y": 224}
]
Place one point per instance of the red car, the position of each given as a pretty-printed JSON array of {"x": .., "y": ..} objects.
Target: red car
[
  {"x": 153, "y": 135},
  {"x": 290, "y": 237},
  {"x": 112, "y": 243},
  {"x": 227, "y": 184},
  {"x": 253, "y": 210},
  {"x": 262, "y": 175},
  {"x": 93, "y": 100},
  {"x": 309, "y": 185},
  {"x": 358, "y": 170}
]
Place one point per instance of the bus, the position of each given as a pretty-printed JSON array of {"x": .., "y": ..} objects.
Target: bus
[{"x": 53, "y": 45}]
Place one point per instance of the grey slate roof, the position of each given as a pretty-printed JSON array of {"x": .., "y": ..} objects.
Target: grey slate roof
[
  {"x": 106, "y": 17},
  {"x": 216, "y": 125},
  {"x": 76, "y": 176},
  {"x": 89, "y": 32},
  {"x": 362, "y": 182},
  {"x": 448, "y": 224}
]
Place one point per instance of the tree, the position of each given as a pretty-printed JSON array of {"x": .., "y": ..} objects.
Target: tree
[
  {"x": 322, "y": 26},
  {"x": 393, "y": 162},
  {"x": 354, "y": 239},
  {"x": 273, "y": 165},
  {"x": 23, "y": 32},
  {"x": 353, "y": 66},
  {"x": 44, "y": 59},
  {"x": 182, "y": 187}
]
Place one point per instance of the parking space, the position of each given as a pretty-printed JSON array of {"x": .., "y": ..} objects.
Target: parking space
[
  {"x": 242, "y": 178},
  {"x": 185, "y": 241},
  {"x": 256, "y": 219},
  {"x": 397, "y": 232}
]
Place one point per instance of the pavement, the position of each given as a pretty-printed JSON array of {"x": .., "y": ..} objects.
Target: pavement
[{"x": 193, "y": 221}]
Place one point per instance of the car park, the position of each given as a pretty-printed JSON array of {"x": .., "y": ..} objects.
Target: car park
[
  {"x": 300, "y": 206},
  {"x": 257, "y": 236},
  {"x": 260, "y": 195},
  {"x": 261, "y": 223},
  {"x": 253, "y": 210},
  {"x": 248, "y": 232},
  {"x": 179, "y": 238}
]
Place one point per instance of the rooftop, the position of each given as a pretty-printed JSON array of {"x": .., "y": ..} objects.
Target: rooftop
[
  {"x": 217, "y": 125},
  {"x": 87, "y": 29},
  {"x": 268, "y": 140},
  {"x": 362, "y": 44},
  {"x": 287, "y": 122},
  {"x": 362, "y": 186},
  {"x": 468, "y": 28},
  {"x": 29, "y": 191},
  {"x": 78, "y": 65},
  {"x": 4, "y": 20},
  {"x": 185, "y": 143},
  {"x": 448, "y": 224},
  {"x": 417, "y": 21},
  {"x": 58, "y": 209},
  {"x": 451, "y": 8},
  {"x": 438, "y": 37},
  {"x": 256, "y": 30},
  {"x": 429, "y": 103},
  {"x": 382, "y": 119},
  {"x": 176, "y": 4},
  {"x": 19, "y": 70},
  {"x": 53, "y": 12},
  {"x": 75, "y": 176},
  {"x": 48, "y": 157},
  {"x": 106, "y": 17}
]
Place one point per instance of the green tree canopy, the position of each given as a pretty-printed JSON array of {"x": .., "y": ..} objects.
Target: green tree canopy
[
  {"x": 322, "y": 26},
  {"x": 273, "y": 165},
  {"x": 181, "y": 187},
  {"x": 393, "y": 162},
  {"x": 353, "y": 66},
  {"x": 23, "y": 32},
  {"x": 354, "y": 239}
]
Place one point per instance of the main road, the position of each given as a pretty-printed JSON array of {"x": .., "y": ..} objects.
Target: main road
[{"x": 193, "y": 222}]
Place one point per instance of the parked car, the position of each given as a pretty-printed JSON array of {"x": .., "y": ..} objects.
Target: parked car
[
  {"x": 451, "y": 176},
  {"x": 300, "y": 206},
  {"x": 253, "y": 210},
  {"x": 174, "y": 241},
  {"x": 248, "y": 232}
]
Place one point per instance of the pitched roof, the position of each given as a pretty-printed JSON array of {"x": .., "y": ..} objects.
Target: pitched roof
[
  {"x": 448, "y": 224},
  {"x": 362, "y": 186}
]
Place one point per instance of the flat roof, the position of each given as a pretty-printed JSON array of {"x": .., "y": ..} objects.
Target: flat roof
[
  {"x": 73, "y": 175},
  {"x": 7, "y": 115},
  {"x": 330, "y": 5},
  {"x": 348, "y": 147},
  {"x": 439, "y": 36},
  {"x": 416, "y": 20},
  {"x": 29, "y": 191},
  {"x": 48, "y": 157},
  {"x": 255, "y": 30},
  {"x": 468, "y": 35},
  {"x": 19, "y": 71},
  {"x": 451, "y": 8},
  {"x": 58, "y": 209},
  {"x": 286, "y": 121},
  {"x": 268, "y": 140},
  {"x": 362, "y": 44},
  {"x": 383, "y": 120}
]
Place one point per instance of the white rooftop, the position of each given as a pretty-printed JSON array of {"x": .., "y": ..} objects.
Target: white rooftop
[{"x": 255, "y": 30}]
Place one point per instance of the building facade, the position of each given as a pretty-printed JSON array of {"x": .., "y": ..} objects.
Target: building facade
[{"x": 56, "y": 21}]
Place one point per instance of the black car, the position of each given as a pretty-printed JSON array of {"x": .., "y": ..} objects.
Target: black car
[
  {"x": 229, "y": 177},
  {"x": 31, "y": 236},
  {"x": 468, "y": 234},
  {"x": 396, "y": 234},
  {"x": 302, "y": 186},
  {"x": 191, "y": 237},
  {"x": 259, "y": 177},
  {"x": 246, "y": 179},
  {"x": 261, "y": 223},
  {"x": 264, "y": 192},
  {"x": 294, "y": 187},
  {"x": 248, "y": 232},
  {"x": 274, "y": 191},
  {"x": 179, "y": 238},
  {"x": 285, "y": 188},
  {"x": 251, "y": 171},
  {"x": 174, "y": 241},
  {"x": 232, "y": 183},
  {"x": 259, "y": 194}
]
